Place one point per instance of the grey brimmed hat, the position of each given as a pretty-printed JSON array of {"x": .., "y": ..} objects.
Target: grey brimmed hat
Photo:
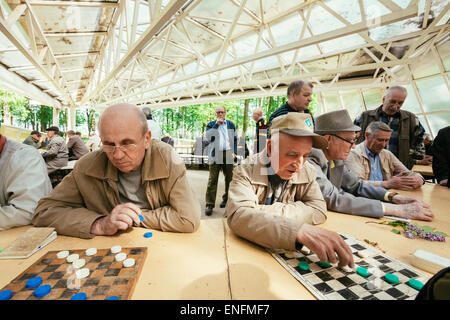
[
  {"x": 334, "y": 121},
  {"x": 298, "y": 124}
]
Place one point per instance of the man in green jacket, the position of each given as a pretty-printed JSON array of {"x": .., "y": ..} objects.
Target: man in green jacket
[{"x": 34, "y": 139}]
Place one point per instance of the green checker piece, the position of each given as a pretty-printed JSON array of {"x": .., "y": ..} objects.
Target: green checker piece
[
  {"x": 391, "y": 278},
  {"x": 303, "y": 265},
  {"x": 416, "y": 284},
  {"x": 362, "y": 272},
  {"x": 324, "y": 264}
]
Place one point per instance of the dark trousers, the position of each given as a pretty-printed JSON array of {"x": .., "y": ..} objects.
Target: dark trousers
[{"x": 223, "y": 161}]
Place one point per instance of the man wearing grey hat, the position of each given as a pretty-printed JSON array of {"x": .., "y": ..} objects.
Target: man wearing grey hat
[
  {"x": 57, "y": 154},
  {"x": 341, "y": 189},
  {"x": 274, "y": 199}
]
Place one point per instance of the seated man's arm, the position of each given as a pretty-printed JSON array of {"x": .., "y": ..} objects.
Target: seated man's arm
[
  {"x": 64, "y": 210},
  {"x": 26, "y": 181},
  {"x": 272, "y": 226},
  {"x": 343, "y": 201},
  {"x": 407, "y": 179},
  {"x": 182, "y": 214},
  {"x": 52, "y": 150}
]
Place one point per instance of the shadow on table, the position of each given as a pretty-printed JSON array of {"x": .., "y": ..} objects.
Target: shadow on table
[{"x": 247, "y": 282}]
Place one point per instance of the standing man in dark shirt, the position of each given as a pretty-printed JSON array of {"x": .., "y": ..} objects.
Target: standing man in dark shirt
[
  {"x": 299, "y": 95},
  {"x": 76, "y": 146},
  {"x": 261, "y": 130}
]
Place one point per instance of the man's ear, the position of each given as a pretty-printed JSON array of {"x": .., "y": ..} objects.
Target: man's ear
[
  {"x": 269, "y": 147},
  {"x": 148, "y": 137}
]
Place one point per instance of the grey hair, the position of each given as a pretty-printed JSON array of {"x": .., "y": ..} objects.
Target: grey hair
[
  {"x": 376, "y": 126},
  {"x": 396, "y": 88},
  {"x": 297, "y": 85}
]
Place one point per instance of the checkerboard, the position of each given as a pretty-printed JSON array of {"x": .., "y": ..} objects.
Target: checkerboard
[
  {"x": 107, "y": 277},
  {"x": 334, "y": 283}
]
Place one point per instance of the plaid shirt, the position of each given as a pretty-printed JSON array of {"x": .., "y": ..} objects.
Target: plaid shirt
[{"x": 284, "y": 109}]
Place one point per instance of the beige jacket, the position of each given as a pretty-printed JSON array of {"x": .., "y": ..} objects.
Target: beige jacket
[
  {"x": 90, "y": 191},
  {"x": 276, "y": 225},
  {"x": 359, "y": 163}
]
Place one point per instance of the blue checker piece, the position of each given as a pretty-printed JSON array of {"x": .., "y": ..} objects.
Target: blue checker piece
[
  {"x": 33, "y": 282},
  {"x": 79, "y": 296},
  {"x": 148, "y": 234},
  {"x": 42, "y": 291},
  {"x": 112, "y": 298},
  {"x": 141, "y": 218},
  {"x": 5, "y": 295}
]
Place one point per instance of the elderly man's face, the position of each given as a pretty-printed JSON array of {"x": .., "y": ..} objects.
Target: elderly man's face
[
  {"x": 123, "y": 129},
  {"x": 378, "y": 141},
  {"x": 340, "y": 144},
  {"x": 288, "y": 154},
  {"x": 256, "y": 115},
  {"x": 393, "y": 101},
  {"x": 220, "y": 113}
]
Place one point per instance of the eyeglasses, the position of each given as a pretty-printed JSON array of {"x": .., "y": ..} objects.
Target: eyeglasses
[
  {"x": 352, "y": 142},
  {"x": 126, "y": 148},
  {"x": 217, "y": 112}
]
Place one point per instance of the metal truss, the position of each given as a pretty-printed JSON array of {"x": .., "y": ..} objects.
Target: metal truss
[{"x": 166, "y": 53}]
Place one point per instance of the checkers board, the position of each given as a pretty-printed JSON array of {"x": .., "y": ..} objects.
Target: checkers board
[
  {"x": 107, "y": 277},
  {"x": 334, "y": 283}
]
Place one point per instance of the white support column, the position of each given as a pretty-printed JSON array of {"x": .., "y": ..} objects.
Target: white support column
[
  {"x": 56, "y": 117},
  {"x": 71, "y": 118}
]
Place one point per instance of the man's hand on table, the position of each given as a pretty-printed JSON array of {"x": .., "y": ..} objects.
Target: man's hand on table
[
  {"x": 409, "y": 208},
  {"x": 400, "y": 181},
  {"x": 443, "y": 182},
  {"x": 121, "y": 218},
  {"x": 326, "y": 244}
]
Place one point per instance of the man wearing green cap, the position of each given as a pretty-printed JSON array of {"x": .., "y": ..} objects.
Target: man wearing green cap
[{"x": 274, "y": 199}]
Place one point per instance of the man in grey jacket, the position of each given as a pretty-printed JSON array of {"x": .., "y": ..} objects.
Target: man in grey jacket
[
  {"x": 341, "y": 189},
  {"x": 57, "y": 154},
  {"x": 23, "y": 181}
]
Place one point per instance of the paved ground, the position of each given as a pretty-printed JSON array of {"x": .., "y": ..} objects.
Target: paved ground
[{"x": 198, "y": 179}]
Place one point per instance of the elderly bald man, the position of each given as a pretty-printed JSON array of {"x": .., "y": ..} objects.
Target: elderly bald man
[{"x": 131, "y": 176}]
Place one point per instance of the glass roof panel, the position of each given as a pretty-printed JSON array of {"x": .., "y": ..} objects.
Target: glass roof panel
[
  {"x": 372, "y": 98},
  {"x": 322, "y": 21},
  {"x": 426, "y": 66},
  {"x": 444, "y": 53},
  {"x": 434, "y": 94},
  {"x": 343, "y": 43},
  {"x": 287, "y": 31},
  {"x": 437, "y": 121},
  {"x": 348, "y": 9},
  {"x": 411, "y": 104}
]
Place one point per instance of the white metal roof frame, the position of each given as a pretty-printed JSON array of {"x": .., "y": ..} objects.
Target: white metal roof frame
[{"x": 165, "y": 53}]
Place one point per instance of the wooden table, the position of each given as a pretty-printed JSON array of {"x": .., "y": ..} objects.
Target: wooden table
[
  {"x": 214, "y": 263},
  {"x": 178, "y": 266},
  {"x": 254, "y": 274},
  {"x": 423, "y": 170}
]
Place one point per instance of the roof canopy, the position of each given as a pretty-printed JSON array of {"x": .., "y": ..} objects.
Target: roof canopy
[{"x": 179, "y": 52}]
